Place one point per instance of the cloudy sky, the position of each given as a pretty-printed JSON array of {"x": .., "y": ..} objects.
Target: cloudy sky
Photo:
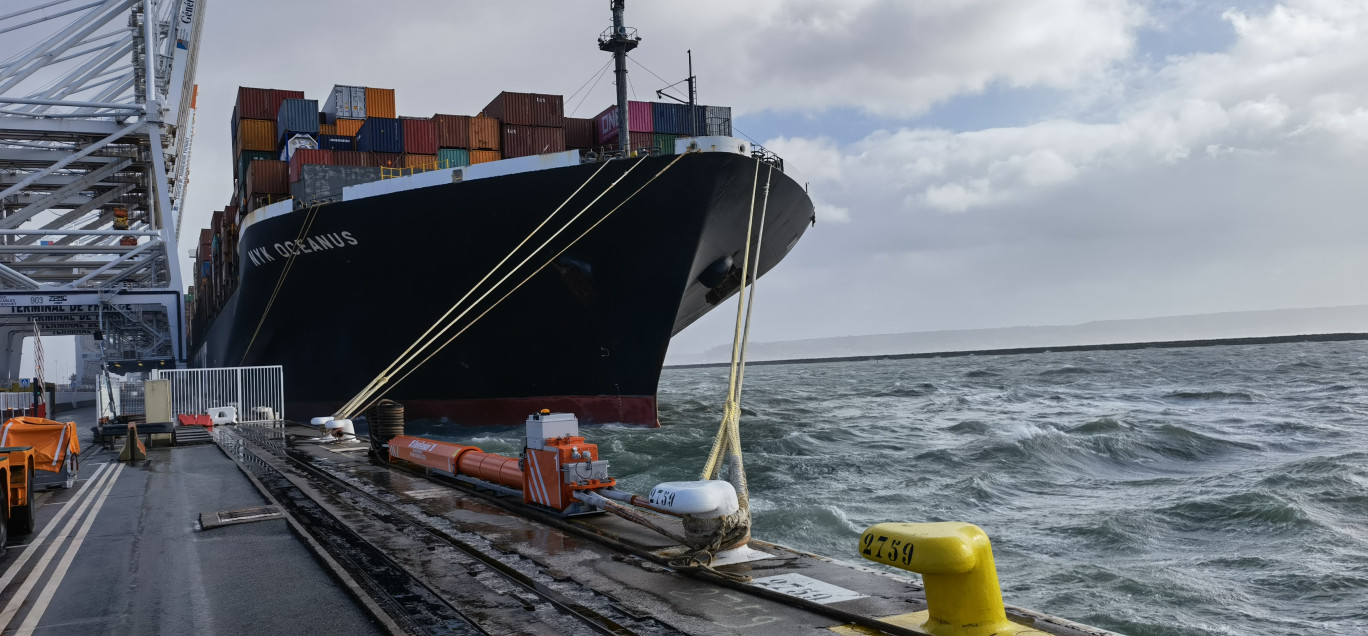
[{"x": 975, "y": 163}]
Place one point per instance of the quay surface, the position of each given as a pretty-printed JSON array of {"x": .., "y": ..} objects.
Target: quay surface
[{"x": 123, "y": 552}]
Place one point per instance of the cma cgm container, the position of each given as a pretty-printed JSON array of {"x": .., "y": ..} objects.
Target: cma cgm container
[
  {"x": 420, "y": 136},
  {"x": 639, "y": 119},
  {"x": 484, "y": 133},
  {"x": 381, "y": 134},
  {"x": 305, "y": 156},
  {"x": 453, "y": 131},
  {"x": 380, "y": 103},
  {"x": 346, "y": 102},
  {"x": 297, "y": 116}
]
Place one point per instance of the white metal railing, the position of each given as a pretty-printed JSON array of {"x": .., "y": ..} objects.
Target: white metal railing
[
  {"x": 21, "y": 402},
  {"x": 258, "y": 393}
]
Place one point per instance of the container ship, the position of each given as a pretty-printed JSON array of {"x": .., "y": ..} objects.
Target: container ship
[{"x": 352, "y": 229}]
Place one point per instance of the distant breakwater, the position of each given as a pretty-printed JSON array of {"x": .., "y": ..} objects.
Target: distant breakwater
[{"x": 1123, "y": 346}]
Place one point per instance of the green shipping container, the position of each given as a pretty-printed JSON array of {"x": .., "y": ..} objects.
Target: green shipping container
[
  {"x": 452, "y": 157},
  {"x": 666, "y": 143},
  {"x": 249, "y": 156}
]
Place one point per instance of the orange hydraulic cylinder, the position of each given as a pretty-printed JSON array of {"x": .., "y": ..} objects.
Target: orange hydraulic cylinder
[{"x": 457, "y": 460}]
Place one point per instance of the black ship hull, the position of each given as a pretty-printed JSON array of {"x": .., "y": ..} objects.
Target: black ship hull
[{"x": 587, "y": 334}]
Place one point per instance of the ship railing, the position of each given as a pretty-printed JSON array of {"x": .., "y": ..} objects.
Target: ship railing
[
  {"x": 257, "y": 393},
  {"x": 394, "y": 172},
  {"x": 765, "y": 155},
  {"x": 611, "y": 152}
]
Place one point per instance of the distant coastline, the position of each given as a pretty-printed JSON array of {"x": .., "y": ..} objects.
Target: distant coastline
[{"x": 1167, "y": 344}]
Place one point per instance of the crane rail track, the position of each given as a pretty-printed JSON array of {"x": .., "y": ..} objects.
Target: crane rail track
[{"x": 460, "y": 602}]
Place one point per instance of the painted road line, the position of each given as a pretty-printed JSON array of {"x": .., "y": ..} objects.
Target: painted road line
[
  {"x": 50, "y": 588},
  {"x": 98, "y": 490},
  {"x": 37, "y": 541}
]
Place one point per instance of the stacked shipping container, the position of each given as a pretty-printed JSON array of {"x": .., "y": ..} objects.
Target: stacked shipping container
[{"x": 360, "y": 126}]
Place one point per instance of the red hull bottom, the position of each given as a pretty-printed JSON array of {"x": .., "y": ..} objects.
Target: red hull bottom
[{"x": 638, "y": 410}]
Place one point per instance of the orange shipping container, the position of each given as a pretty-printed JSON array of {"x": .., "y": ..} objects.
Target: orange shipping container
[
  {"x": 327, "y": 129},
  {"x": 420, "y": 161},
  {"x": 484, "y": 156},
  {"x": 256, "y": 134},
  {"x": 348, "y": 127},
  {"x": 380, "y": 103},
  {"x": 484, "y": 133}
]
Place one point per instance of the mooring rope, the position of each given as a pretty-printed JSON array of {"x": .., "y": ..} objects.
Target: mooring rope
[
  {"x": 280, "y": 282},
  {"x": 356, "y": 405},
  {"x": 713, "y": 535},
  {"x": 427, "y": 338}
]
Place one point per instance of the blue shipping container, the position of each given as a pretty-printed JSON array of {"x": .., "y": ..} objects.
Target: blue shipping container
[
  {"x": 380, "y": 134},
  {"x": 673, "y": 119},
  {"x": 297, "y": 116},
  {"x": 336, "y": 142}
]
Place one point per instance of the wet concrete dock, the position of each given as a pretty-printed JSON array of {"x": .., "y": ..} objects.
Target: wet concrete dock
[
  {"x": 269, "y": 530},
  {"x": 123, "y": 552}
]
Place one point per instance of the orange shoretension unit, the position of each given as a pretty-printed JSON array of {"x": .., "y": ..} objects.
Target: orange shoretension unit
[{"x": 53, "y": 442}]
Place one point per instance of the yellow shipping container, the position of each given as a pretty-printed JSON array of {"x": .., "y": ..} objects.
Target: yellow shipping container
[
  {"x": 420, "y": 161},
  {"x": 327, "y": 129},
  {"x": 484, "y": 156},
  {"x": 380, "y": 103},
  {"x": 256, "y": 134},
  {"x": 348, "y": 127}
]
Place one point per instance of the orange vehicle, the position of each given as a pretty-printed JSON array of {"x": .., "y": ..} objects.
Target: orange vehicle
[
  {"x": 16, "y": 472},
  {"x": 55, "y": 448}
]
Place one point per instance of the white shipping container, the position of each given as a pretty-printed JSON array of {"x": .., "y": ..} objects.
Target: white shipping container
[{"x": 347, "y": 102}]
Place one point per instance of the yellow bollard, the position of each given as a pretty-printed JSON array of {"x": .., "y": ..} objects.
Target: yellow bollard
[{"x": 955, "y": 560}]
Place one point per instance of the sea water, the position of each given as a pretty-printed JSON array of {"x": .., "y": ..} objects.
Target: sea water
[{"x": 1205, "y": 490}]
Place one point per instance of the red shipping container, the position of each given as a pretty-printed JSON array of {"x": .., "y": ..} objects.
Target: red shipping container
[
  {"x": 453, "y": 131},
  {"x": 387, "y": 159},
  {"x": 254, "y": 103},
  {"x": 639, "y": 119},
  {"x": 308, "y": 156},
  {"x": 547, "y": 140},
  {"x": 512, "y": 108},
  {"x": 638, "y": 139},
  {"x": 351, "y": 158},
  {"x": 579, "y": 133},
  {"x": 265, "y": 176},
  {"x": 517, "y": 141},
  {"x": 484, "y": 133},
  {"x": 278, "y": 96},
  {"x": 216, "y": 223},
  {"x": 420, "y": 136},
  {"x": 548, "y": 110}
]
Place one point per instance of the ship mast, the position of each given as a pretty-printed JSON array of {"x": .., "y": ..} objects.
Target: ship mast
[{"x": 619, "y": 40}]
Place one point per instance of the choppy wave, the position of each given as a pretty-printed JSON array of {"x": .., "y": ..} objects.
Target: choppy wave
[{"x": 1215, "y": 490}]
